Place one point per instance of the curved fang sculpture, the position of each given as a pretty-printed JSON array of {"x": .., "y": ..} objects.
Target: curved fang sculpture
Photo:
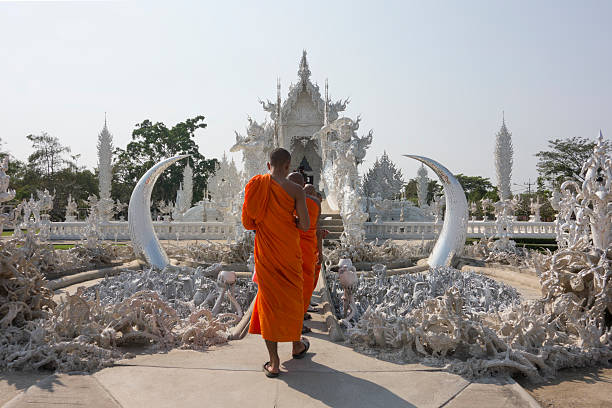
[
  {"x": 140, "y": 224},
  {"x": 452, "y": 237}
]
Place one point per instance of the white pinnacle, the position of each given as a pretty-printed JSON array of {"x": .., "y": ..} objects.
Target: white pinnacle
[
  {"x": 105, "y": 157},
  {"x": 503, "y": 161}
]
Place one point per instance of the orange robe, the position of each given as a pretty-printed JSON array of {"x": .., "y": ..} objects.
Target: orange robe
[
  {"x": 278, "y": 311},
  {"x": 308, "y": 244}
]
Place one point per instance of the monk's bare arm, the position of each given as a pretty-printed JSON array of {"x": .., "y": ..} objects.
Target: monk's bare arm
[{"x": 301, "y": 209}]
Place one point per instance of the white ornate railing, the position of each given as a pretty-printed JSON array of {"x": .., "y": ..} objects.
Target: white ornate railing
[
  {"x": 118, "y": 230},
  {"x": 476, "y": 229}
]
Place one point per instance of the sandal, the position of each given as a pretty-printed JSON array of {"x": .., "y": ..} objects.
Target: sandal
[
  {"x": 301, "y": 354},
  {"x": 269, "y": 373},
  {"x": 306, "y": 329},
  {"x": 307, "y": 316}
]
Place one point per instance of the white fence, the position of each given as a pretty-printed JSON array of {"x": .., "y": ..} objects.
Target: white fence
[
  {"x": 118, "y": 230},
  {"x": 476, "y": 229}
]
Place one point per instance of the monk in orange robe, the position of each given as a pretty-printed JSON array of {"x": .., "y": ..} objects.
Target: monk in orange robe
[
  {"x": 320, "y": 236},
  {"x": 270, "y": 204},
  {"x": 308, "y": 241}
]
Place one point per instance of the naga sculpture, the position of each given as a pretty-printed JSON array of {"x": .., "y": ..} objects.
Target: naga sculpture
[{"x": 454, "y": 230}]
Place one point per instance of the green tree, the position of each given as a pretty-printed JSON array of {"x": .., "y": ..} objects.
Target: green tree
[
  {"x": 476, "y": 188},
  {"x": 565, "y": 158},
  {"x": 50, "y": 167},
  {"x": 49, "y": 155},
  {"x": 410, "y": 190},
  {"x": 153, "y": 142}
]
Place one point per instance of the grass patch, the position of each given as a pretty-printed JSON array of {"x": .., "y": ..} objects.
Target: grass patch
[{"x": 63, "y": 246}]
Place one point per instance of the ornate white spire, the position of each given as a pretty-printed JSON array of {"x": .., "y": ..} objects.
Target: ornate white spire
[
  {"x": 422, "y": 186},
  {"x": 105, "y": 158},
  {"x": 304, "y": 71},
  {"x": 503, "y": 160}
]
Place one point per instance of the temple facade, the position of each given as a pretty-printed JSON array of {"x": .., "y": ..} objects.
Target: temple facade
[{"x": 297, "y": 119}]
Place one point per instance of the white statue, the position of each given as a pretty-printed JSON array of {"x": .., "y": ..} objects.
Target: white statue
[
  {"x": 184, "y": 195},
  {"x": 473, "y": 209},
  {"x": 255, "y": 147},
  {"x": 342, "y": 151},
  {"x": 535, "y": 206},
  {"x": 504, "y": 222},
  {"x": 119, "y": 207},
  {"x": 438, "y": 201},
  {"x": 485, "y": 204},
  {"x": 5, "y": 194},
  {"x": 166, "y": 209},
  {"x": 71, "y": 209},
  {"x": 503, "y": 161},
  {"x": 586, "y": 210}
]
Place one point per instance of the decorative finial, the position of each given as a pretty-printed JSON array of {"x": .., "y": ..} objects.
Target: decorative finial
[
  {"x": 104, "y": 119},
  {"x": 304, "y": 71},
  {"x": 503, "y": 117},
  {"x": 600, "y": 138}
]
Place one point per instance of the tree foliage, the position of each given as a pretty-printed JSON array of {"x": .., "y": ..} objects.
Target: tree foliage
[
  {"x": 153, "y": 142},
  {"x": 49, "y": 155},
  {"x": 476, "y": 188},
  {"x": 564, "y": 159},
  {"x": 50, "y": 168},
  {"x": 411, "y": 190},
  {"x": 383, "y": 178}
]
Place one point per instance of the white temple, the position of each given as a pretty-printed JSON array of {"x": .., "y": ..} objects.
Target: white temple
[{"x": 295, "y": 126}]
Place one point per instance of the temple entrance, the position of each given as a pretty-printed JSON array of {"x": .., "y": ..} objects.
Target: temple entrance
[{"x": 306, "y": 171}]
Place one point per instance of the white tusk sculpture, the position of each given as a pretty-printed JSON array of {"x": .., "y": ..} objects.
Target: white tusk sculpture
[
  {"x": 454, "y": 230},
  {"x": 140, "y": 224}
]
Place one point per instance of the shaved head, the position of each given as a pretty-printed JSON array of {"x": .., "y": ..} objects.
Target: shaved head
[
  {"x": 309, "y": 189},
  {"x": 280, "y": 157},
  {"x": 297, "y": 178}
]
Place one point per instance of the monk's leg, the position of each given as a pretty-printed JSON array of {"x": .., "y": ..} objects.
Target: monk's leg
[
  {"x": 274, "y": 359},
  {"x": 298, "y": 347}
]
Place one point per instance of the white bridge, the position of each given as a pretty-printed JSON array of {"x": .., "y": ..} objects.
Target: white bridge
[{"x": 118, "y": 230}]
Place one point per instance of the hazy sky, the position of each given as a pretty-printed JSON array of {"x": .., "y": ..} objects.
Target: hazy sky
[{"x": 430, "y": 77}]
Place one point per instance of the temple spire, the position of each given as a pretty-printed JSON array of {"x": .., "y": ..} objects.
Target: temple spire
[
  {"x": 304, "y": 71},
  {"x": 326, "y": 112}
]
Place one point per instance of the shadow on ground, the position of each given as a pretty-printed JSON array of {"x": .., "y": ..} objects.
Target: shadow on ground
[{"x": 345, "y": 391}]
